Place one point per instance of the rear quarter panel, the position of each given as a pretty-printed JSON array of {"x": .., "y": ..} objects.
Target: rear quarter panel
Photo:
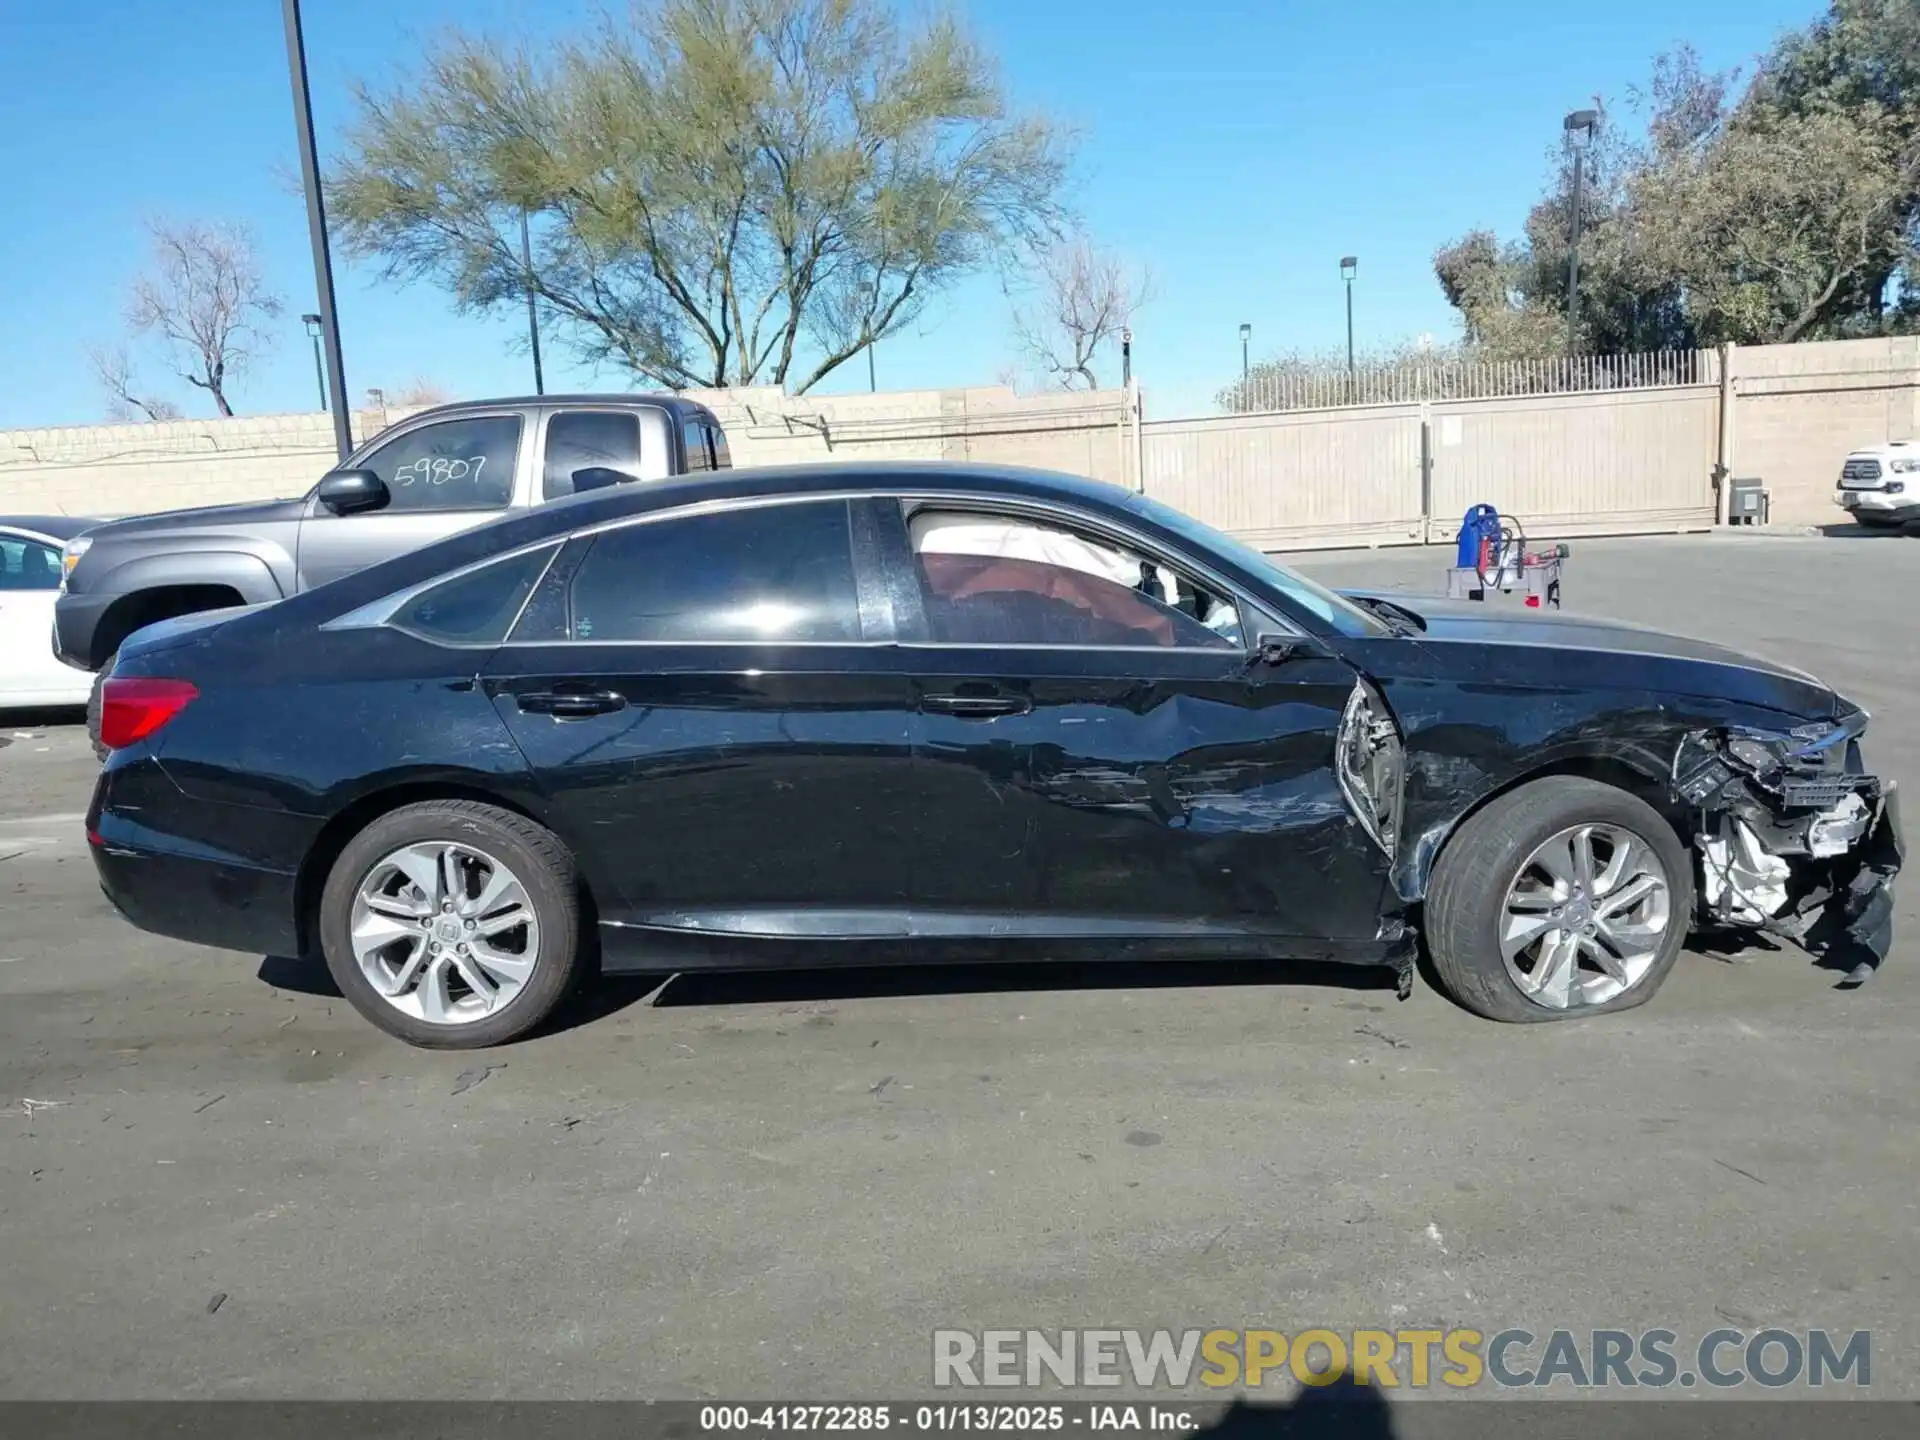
[{"x": 290, "y": 730}]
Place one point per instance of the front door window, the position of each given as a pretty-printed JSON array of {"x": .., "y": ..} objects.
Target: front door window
[{"x": 1006, "y": 580}]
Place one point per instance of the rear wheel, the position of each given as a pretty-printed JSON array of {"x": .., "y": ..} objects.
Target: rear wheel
[
  {"x": 1564, "y": 897},
  {"x": 453, "y": 924}
]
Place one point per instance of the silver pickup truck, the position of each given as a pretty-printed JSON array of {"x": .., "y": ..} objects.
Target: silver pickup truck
[{"x": 417, "y": 481}]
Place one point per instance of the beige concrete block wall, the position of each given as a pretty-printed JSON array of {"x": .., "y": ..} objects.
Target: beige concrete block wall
[
  {"x": 1588, "y": 463},
  {"x": 1084, "y": 434},
  {"x": 110, "y": 470},
  {"x": 1798, "y": 410}
]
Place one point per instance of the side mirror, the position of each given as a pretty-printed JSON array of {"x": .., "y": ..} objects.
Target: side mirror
[
  {"x": 1273, "y": 650},
  {"x": 596, "y": 477},
  {"x": 348, "y": 492}
]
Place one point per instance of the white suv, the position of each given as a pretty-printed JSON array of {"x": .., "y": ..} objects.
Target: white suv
[{"x": 1880, "y": 485}]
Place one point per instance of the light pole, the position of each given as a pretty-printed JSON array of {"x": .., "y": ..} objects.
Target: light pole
[
  {"x": 533, "y": 318},
  {"x": 1349, "y": 265},
  {"x": 312, "y": 322},
  {"x": 1579, "y": 128},
  {"x": 317, "y": 226},
  {"x": 1246, "y": 338}
]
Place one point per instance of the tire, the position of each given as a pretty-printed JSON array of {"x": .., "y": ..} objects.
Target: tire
[
  {"x": 95, "y": 701},
  {"x": 533, "y": 856},
  {"x": 1466, "y": 904},
  {"x": 1868, "y": 521}
]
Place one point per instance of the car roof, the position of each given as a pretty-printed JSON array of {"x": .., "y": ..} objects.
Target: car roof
[
  {"x": 851, "y": 476},
  {"x": 53, "y": 527},
  {"x": 679, "y": 405}
]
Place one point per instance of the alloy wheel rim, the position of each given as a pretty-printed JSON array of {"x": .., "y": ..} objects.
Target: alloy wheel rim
[
  {"x": 1585, "y": 917},
  {"x": 444, "y": 932}
]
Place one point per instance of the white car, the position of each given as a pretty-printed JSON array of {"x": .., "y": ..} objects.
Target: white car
[
  {"x": 1880, "y": 485},
  {"x": 30, "y": 675}
]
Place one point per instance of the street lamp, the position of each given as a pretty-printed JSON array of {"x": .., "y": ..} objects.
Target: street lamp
[
  {"x": 1579, "y": 126},
  {"x": 1349, "y": 265},
  {"x": 317, "y": 225},
  {"x": 312, "y": 322},
  {"x": 1246, "y": 338}
]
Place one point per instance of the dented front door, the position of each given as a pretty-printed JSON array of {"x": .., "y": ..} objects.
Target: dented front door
[{"x": 1150, "y": 792}]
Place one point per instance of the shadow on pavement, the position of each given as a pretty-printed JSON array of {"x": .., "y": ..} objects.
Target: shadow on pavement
[
  {"x": 42, "y": 718},
  {"x": 1846, "y": 530},
  {"x": 718, "y": 987},
  {"x": 303, "y": 977},
  {"x": 611, "y": 994},
  {"x": 1345, "y": 1410}
]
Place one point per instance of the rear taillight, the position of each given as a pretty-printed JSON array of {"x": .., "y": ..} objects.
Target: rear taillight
[{"x": 133, "y": 708}]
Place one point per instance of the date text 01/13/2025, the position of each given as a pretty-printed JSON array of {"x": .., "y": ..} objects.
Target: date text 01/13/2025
[{"x": 949, "y": 1418}]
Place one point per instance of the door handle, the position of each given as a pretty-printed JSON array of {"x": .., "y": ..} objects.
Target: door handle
[
  {"x": 572, "y": 704},
  {"x": 976, "y": 707}
]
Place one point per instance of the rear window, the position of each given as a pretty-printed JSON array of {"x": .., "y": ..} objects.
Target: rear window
[
  {"x": 477, "y": 608},
  {"x": 589, "y": 450}
]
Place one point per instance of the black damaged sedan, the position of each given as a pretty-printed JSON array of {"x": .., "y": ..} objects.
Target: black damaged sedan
[{"x": 832, "y": 715}]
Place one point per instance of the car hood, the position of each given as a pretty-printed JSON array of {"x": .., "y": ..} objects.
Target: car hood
[
  {"x": 209, "y": 517},
  {"x": 1504, "y": 645}
]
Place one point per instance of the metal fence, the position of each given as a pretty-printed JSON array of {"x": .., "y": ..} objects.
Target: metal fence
[{"x": 1284, "y": 386}]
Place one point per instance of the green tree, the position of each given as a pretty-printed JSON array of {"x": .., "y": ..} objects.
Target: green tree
[
  {"x": 1778, "y": 210},
  {"x": 723, "y": 192}
]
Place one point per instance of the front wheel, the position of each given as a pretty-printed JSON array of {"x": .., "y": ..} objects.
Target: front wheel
[
  {"x": 453, "y": 924},
  {"x": 1561, "y": 898}
]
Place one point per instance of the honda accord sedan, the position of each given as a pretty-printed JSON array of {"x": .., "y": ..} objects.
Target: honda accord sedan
[{"x": 839, "y": 714}]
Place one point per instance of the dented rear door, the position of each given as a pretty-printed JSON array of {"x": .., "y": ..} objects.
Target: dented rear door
[{"x": 1072, "y": 791}]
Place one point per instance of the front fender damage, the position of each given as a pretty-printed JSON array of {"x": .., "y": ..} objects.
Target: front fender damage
[{"x": 1794, "y": 838}]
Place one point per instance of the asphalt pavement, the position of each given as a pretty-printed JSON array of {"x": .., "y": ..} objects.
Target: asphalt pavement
[{"x": 217, "y": 1181}]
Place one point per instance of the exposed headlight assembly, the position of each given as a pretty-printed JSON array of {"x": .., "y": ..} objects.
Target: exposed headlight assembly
[
  {"x": 1904, "y": 466},
  {"x": 1811, "y": 765}
]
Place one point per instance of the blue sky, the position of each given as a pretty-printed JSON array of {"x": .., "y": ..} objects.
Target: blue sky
[{"x": 1238, "y": 148}]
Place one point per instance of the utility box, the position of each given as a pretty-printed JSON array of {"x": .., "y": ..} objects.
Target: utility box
[{"x": 1747, "y": 503}]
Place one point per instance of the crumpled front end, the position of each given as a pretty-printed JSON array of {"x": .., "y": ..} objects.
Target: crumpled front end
[{"x": 1795, "y": 838}]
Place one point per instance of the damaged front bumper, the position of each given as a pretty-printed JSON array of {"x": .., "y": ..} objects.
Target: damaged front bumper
[{"x": 1795, "y": 838}]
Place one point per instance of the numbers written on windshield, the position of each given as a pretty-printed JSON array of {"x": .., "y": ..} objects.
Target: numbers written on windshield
[{"x": 438, "y": 470}]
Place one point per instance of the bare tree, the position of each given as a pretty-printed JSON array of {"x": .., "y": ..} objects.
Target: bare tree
[
  {"x": 206, "y": 299},
  {"x": 1086, "y": 297},
  {"x": 113, "y": 367}
]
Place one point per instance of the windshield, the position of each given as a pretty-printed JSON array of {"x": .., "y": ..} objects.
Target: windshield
[{"x": 1339, "y": 613}]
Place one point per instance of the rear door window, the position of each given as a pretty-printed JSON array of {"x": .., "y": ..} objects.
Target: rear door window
[
  {"x": 722, "y": 457},
  {"x": 770, "y": 573},
  {"x": 589, "y": 450}
]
